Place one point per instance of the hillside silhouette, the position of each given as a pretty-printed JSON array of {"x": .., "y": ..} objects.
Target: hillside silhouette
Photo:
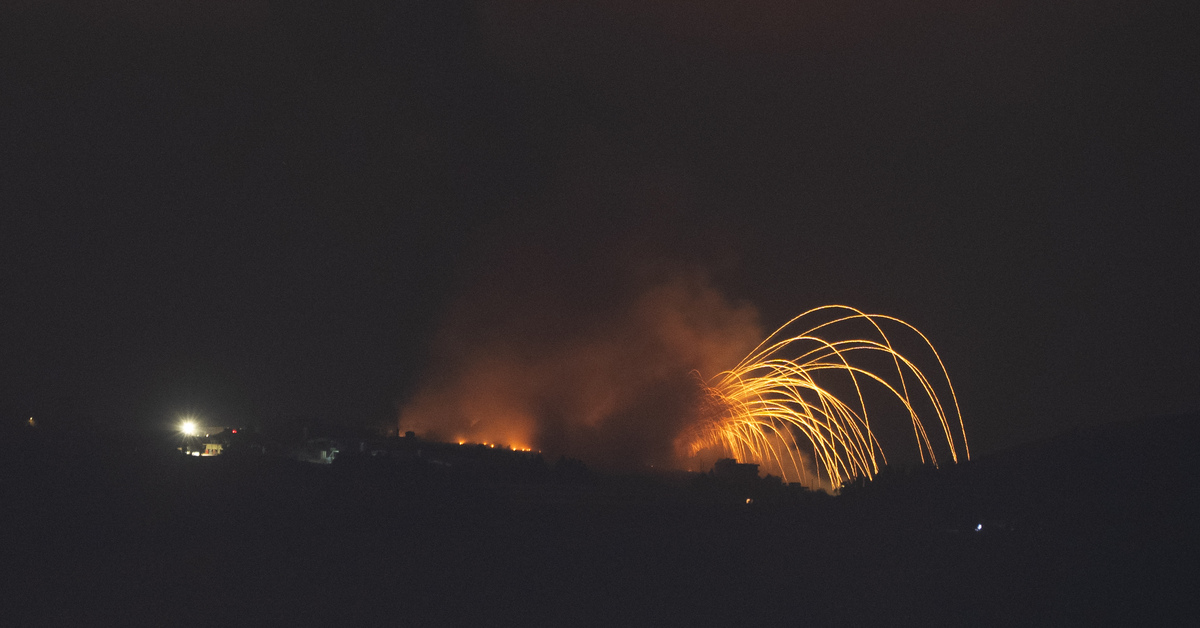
[{"x": 1089, "y": 527}]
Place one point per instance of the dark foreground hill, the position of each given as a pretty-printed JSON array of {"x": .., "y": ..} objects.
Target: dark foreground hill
[{"x": 1088, "y": 528}]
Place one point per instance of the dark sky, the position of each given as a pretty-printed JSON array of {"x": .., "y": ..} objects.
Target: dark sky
[{"x": 271, "y": 210}]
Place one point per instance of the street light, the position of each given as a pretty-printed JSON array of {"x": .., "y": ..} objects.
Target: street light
[{"x": 188, "y": 428}]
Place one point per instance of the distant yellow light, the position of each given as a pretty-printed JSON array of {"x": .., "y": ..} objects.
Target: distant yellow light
[{"x": 188, "y": 427}]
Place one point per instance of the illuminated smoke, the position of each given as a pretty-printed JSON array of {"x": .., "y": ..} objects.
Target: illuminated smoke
[
  {"x": 798, "y": 403},
  {"x": 604, "y": 378}
]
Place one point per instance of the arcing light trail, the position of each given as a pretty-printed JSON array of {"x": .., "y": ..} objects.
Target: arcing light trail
[{"x": 799, "y": 393}]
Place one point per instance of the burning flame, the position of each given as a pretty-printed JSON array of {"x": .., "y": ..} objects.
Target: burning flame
[{"x": 772, "y": 408}]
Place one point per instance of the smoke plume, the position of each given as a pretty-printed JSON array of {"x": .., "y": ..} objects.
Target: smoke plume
[{"x": 597, "y": 367}]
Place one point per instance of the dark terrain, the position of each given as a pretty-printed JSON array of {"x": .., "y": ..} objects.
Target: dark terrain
[{"x": 104, "y": 528}]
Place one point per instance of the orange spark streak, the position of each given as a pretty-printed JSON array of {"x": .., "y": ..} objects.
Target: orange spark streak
[{"x": 769, "y": 405}]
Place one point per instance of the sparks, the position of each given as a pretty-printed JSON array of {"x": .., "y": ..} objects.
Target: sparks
[{"x": 772, "y": 407}]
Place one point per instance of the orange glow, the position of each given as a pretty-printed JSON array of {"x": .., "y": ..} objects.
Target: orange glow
[
  {"x": 610, "y": 387},
  {"x": 772, "y": 408}
]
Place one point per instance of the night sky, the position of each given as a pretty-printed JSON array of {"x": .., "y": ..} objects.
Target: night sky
[{"x": 264, "y": 211}]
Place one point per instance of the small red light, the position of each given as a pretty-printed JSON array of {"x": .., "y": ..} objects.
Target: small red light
[{"x": 235, "y": 431}]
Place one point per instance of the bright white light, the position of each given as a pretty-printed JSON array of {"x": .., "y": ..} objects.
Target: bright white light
[
  {"x": 978, "y": 527},
  {"x": 188, "y": 427}
]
